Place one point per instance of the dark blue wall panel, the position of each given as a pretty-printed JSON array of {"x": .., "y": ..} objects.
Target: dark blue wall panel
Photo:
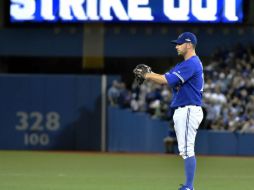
[
  {"x": 137, "y": 132},
  {"x": 50, "y": 112},
  {"x": 246, "y": 144},
  {"x": 222, "y": 143}
]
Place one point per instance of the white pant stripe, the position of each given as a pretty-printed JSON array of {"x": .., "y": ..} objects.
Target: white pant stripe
[{"x": 186, "y": 131}]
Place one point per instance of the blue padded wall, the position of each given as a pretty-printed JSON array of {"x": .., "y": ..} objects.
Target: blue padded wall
[
  {"x": 137, "y": 132},
  {"x": 50, "y": 112}
]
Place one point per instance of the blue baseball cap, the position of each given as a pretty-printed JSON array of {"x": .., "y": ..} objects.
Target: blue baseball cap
[{"x": 186, "y": 37}]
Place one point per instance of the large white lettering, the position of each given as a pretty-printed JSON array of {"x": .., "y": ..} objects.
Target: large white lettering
[
  {"x": 116, "y": 6},
  {"x": 47, "y": 10},
  {"x": 207, "y": 13},
  {"x": 177, "y": 13},
  {"x": 136, "y": 12},
  {"x": 69, "y": 6},
  {"x": 230, "y": 10},
  {"x": 92, "y": 10},
  {"x": 22, "y": 9}
]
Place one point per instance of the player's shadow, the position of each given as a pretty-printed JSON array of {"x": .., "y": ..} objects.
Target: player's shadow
[
  {"x": 82, "y": 134},
  {"x": 88, "y": 128}
]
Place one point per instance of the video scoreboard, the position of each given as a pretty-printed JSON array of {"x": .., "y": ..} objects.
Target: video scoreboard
[{"x": 159, "y": 11}]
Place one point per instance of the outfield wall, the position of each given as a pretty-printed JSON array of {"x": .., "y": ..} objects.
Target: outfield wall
[
  {"x": 50, "y": 112},
  {"x": 57, "y": 112},
  {"x": 137, "y": 132},
  {"x": 134, "y": 132}
]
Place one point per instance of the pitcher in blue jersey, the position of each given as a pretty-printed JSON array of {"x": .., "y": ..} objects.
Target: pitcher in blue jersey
[{"x": 187, "y": 81}]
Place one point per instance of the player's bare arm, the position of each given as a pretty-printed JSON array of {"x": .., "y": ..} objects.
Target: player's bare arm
[
  {"x": 143, "y": 72},
  {"x": 160, "y": 79}
]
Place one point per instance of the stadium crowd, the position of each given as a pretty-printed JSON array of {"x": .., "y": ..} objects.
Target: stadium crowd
[{"x": 228, "y": 98}]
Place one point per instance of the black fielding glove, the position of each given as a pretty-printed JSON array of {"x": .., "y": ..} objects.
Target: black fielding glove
[{"x": 140, "y": 71}]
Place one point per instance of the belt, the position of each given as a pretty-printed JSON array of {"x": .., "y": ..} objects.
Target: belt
[{"x": 185, "y": 106}]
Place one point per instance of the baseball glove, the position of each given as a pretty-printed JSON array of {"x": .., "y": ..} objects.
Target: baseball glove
[{"x": 140, "y": 72}]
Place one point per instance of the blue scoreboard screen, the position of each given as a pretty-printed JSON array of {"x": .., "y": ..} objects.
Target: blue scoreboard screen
[{"x": 152, "y": 11}]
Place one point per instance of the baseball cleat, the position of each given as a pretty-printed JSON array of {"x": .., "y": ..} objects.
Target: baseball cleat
[{"x": 183, "y": 187}]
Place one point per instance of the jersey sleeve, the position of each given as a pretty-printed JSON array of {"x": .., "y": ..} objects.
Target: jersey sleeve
[
  {"x": 172, "y": 79},
  {"x": 180, "y": 74}
]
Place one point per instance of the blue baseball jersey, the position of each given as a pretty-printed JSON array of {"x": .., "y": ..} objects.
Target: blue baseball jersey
[{"x": 187, "y": 82}]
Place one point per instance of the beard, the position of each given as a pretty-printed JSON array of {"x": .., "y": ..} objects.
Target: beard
[{"x": 181, "y": 53}]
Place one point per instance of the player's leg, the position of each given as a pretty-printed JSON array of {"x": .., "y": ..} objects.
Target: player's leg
[
  {"x": 195, "y": 118},
  {"x": 180, "y": 118},
  {"x": 186, "y": 121}
]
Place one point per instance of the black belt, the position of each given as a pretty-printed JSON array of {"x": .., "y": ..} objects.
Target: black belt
[{"x": 185, "y": 106}]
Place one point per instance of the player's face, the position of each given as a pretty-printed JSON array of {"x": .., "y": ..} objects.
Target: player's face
[{"x": 182, "y": 49}]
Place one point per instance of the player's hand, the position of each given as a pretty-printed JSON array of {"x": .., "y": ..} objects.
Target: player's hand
[{"x": 140, "y": 72}]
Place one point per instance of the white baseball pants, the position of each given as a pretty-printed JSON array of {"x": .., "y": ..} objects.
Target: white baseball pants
[{"x": 186, "y": 122}]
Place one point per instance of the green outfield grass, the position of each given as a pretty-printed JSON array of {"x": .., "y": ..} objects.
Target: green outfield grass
[{"x": 90, "y": 171}]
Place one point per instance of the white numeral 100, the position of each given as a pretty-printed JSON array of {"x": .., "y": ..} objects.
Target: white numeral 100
[{"x": 36, "y": 139}]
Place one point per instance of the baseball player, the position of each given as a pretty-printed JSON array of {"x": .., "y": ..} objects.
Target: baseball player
[{"x": 186, "y": 80}]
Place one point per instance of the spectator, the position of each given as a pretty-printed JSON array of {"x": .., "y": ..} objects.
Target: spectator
[
  {"x": 114, "y": 93},
  {"x": 248, "y": 126}
]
